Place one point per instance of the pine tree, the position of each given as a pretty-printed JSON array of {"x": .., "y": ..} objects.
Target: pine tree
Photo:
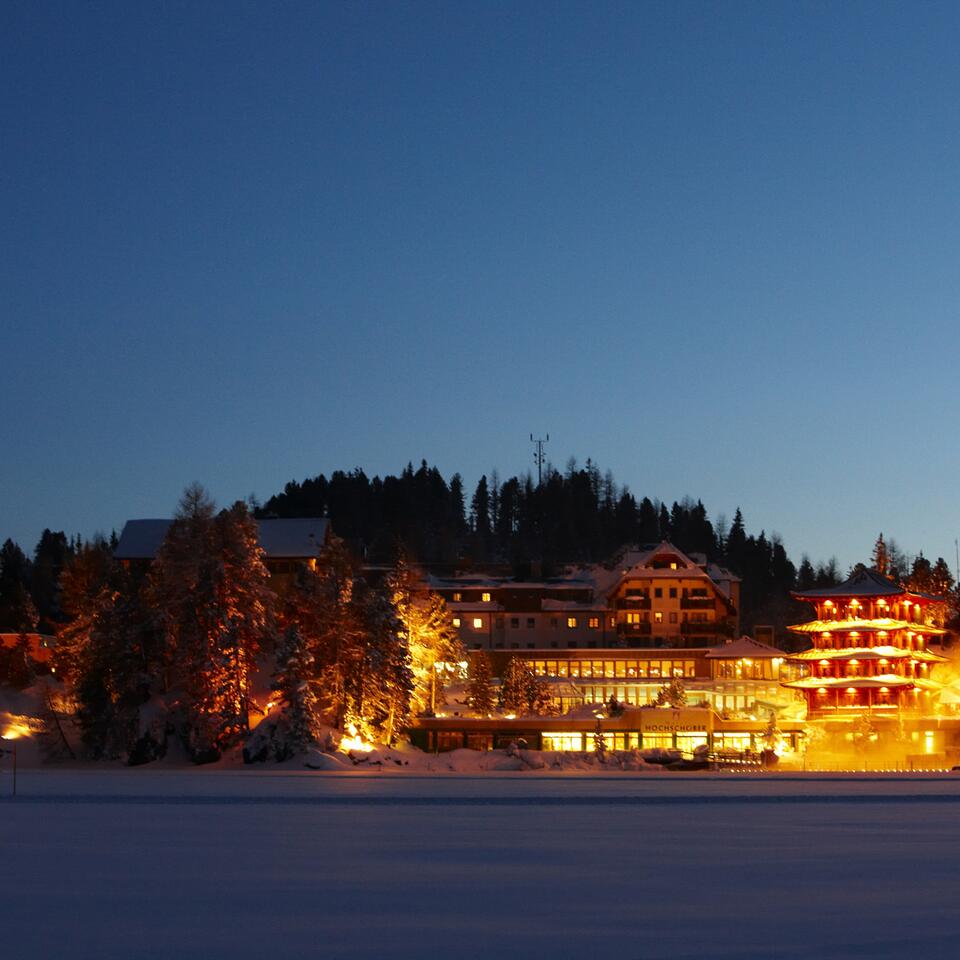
[
  {"x": 299, "y": 719},
  {"x": 521, "y": 690},
  {"x": 479, "y": 690},
  {"x": 672, "y": 694},
  {"x": 432, "y": 640},
  {"x": 600, "y": 743},
  {"x": 210, "y": 589},
  {"x": 378, "y": 680},
  {"x": 321, "y": 604},
  {"x": 880, "y": 559},
  {"x": 515, "y": 686}
]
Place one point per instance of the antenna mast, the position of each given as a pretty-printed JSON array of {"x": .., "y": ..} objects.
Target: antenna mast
[{"x": 539, "y": 456}]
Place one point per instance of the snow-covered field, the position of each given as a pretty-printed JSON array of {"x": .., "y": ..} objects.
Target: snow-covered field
[{"x": 165, "y": 863}]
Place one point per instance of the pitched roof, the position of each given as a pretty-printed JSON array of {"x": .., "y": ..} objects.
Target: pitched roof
[
  {"x": 287, "y": 538},
  {"x": 745, "y": 648},
  {"x": 863, "y": 582}
]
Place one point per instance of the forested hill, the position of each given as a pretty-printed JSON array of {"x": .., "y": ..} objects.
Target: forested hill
[{"x": 578, "y": 516}]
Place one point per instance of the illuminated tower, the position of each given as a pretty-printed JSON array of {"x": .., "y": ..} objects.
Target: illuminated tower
[{"x": 870, "y": 648}]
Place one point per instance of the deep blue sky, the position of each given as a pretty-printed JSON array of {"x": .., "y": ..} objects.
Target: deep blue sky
[{"x": 714, "y": 247}]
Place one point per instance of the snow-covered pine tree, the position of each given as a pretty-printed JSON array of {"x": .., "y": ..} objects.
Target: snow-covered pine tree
[
  {"x": 515, "y": 686},
  {"x": 479, "y": 691},
  {"x": 521, "y": 690},
  {"x": 672, "y": 694},
  {"x": 299, "y": 722},
  {"x": 431, "y": 638},
  {"x": 211, "y": 591},
  {"x": 321, "y": 604},
  {"x": 378, "y": 682}
]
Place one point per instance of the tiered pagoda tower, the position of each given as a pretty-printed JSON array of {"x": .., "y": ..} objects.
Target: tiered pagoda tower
[{"x": 870, "y": 648}]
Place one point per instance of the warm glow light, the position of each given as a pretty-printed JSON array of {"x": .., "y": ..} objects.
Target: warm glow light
[
  {"x": 354, "y": 741},
  {"x": 16, "y": 730}
]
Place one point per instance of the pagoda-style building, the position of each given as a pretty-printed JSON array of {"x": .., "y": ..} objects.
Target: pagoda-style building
[{"x": 870, "y": 648}]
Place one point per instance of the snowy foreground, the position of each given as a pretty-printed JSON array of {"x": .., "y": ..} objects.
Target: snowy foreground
[{"x": 163, "y": 863}]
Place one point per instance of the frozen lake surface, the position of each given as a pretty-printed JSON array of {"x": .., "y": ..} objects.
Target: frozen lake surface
[{"x": 99, "y": 863}]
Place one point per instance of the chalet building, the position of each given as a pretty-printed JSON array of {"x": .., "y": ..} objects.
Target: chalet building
[
  {"x": 870, "y": 649},
  {"x": 654, "y": 597},
  {"x": 287, "y": 543}
]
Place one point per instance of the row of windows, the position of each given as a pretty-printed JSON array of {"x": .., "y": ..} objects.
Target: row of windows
[
  {"x": 697, "y": 592},
  {"x": 732, "y": 701},
  {"x": 644, "y": 617},
  {"x": 617, "y": 669}
]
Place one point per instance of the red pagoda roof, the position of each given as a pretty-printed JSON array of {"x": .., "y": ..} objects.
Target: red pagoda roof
[{"x": 863, "y": 582}]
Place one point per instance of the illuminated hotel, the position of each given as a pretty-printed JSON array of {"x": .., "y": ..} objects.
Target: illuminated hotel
[{"x": 620, "y": 632}]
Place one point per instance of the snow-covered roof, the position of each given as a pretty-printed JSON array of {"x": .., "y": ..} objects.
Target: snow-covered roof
[
  {"x": 641, "y": 564},
  {"x": 141, "y": 539},
  {"x": 863, "y": 582},
  {"x": 745, "y": 648},
  {"x": 294, "y": 537},
  {"x": 287, "y": 538}
]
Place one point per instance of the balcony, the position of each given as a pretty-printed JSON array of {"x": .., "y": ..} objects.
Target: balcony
[
  {"x": 697, "y": 603},
  {"x": 634, "y": 629},
  {"x": 633, "y": 603}
]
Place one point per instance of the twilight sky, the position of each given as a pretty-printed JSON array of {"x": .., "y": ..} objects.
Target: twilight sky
[{"x": 712, "y": 246}]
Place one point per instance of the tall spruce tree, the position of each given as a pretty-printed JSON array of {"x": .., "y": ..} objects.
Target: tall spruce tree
[
  {"x": 299, "y": 720},
  {"x": 479, "y": 690},
  {"x": 210, "y": 588}
]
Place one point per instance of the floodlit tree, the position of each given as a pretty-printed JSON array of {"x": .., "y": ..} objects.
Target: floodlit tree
[
  {"x": 432, "y": 640},
  {"x": 378, "y": 682},
  {"x": 321, "y": 604},
  {"x": 210, "y": 588}
]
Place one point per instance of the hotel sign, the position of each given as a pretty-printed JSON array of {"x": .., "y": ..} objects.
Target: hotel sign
[{"x": 660, "y": 720}]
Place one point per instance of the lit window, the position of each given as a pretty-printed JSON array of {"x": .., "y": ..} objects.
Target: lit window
[
  {"x": 673, "y": 566},
  {"x": 658, "y": 617},
  {"x": 594, "y": 623},
  {"x": 456, "y": 621},
  {"x": 457, "y": 597},
  {"x": 485, "y": 597},
  {"x": 571, "y": 623},
  {"x": 478, "y": 623}
]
